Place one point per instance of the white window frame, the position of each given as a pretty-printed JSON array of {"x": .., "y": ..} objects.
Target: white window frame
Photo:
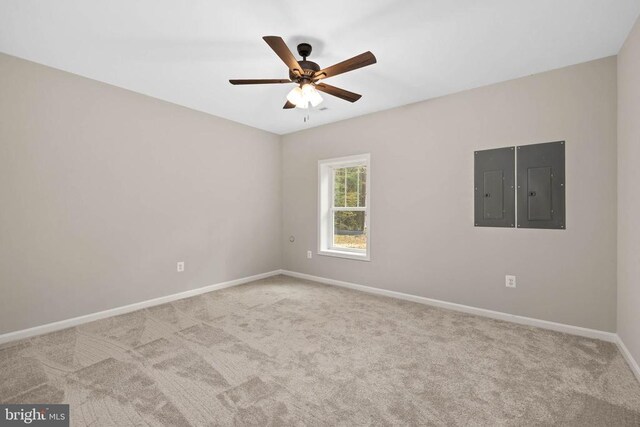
[{"x": 326, "y": 207}]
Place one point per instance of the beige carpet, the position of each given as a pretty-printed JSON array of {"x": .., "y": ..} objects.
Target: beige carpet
[{"x": 287, "y": 352}]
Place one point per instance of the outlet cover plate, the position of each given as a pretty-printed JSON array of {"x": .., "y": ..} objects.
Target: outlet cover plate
[{"x": 510, "y": 281}]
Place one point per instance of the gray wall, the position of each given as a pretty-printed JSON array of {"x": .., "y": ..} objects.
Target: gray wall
[
  {"x": 103, "y": 190},
  {"x": 423, "y": 240},
  {"x": 628, "y": 194}
]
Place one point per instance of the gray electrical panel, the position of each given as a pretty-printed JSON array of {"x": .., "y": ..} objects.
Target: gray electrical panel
[
  {"x": 494, "y": 175},
  {"x": 541, "y": 186}
]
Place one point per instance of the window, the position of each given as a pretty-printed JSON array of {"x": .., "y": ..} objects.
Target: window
[{"x": 343, "y": 217}]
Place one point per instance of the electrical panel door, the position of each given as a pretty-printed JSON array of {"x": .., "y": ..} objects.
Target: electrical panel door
[
  {"x": 494, "y": 174},
  {"x": 541, "y": 186}
]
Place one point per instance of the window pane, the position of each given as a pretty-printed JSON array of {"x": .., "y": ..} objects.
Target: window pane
[
  {"x": 349, "y": 186},
  {"x": 349, "y": 230},
  {"x": 338, "y": 187},
  {"x": 363, "y": 186}
]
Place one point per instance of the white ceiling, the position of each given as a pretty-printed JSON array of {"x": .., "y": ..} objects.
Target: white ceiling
[{"x": 185, "y": 51}]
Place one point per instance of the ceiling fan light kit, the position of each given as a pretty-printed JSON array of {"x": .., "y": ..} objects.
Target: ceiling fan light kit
[
  {"x": 307, "y": 75},
  {"x": 301, "y": 97}
]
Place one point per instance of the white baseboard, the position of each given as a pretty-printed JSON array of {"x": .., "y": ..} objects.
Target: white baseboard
[
  {"x": 559, "y": 327},
  {"x": 628, "y": 357},
  {"x": 75, "y": 321}
]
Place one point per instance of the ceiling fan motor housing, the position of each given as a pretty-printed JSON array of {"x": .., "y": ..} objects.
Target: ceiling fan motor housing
[{"x": 308, "y": 67}]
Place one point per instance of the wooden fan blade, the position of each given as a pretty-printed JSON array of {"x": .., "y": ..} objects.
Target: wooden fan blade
[
  {"x": 258, "y": 81},
  {"x": 280, "y": 48},
  {"x": 340, "y": 93},
  {"x": 354, "y": 63},
  {"x": 289, "y": 105}
]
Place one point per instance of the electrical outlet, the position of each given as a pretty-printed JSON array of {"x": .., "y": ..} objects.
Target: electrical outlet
[
  {"x": 309, "y": 254},
  {"x": 510, "y": 281},
  {"x": 180, "y": 266}
]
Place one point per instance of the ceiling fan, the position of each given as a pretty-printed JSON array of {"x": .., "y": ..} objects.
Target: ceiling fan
[{"x": 308, "y": 75}]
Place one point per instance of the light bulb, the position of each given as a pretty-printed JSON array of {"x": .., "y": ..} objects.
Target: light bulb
[
  {"x": 295, "y": 96},
  {"x": 307, "y": 89},
  {"x": 311, "y": 94},
  {"x": 315, "y": 99}
]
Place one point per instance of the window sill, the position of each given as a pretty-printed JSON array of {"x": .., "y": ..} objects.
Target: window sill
[{"x": 345, "y": 254}]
